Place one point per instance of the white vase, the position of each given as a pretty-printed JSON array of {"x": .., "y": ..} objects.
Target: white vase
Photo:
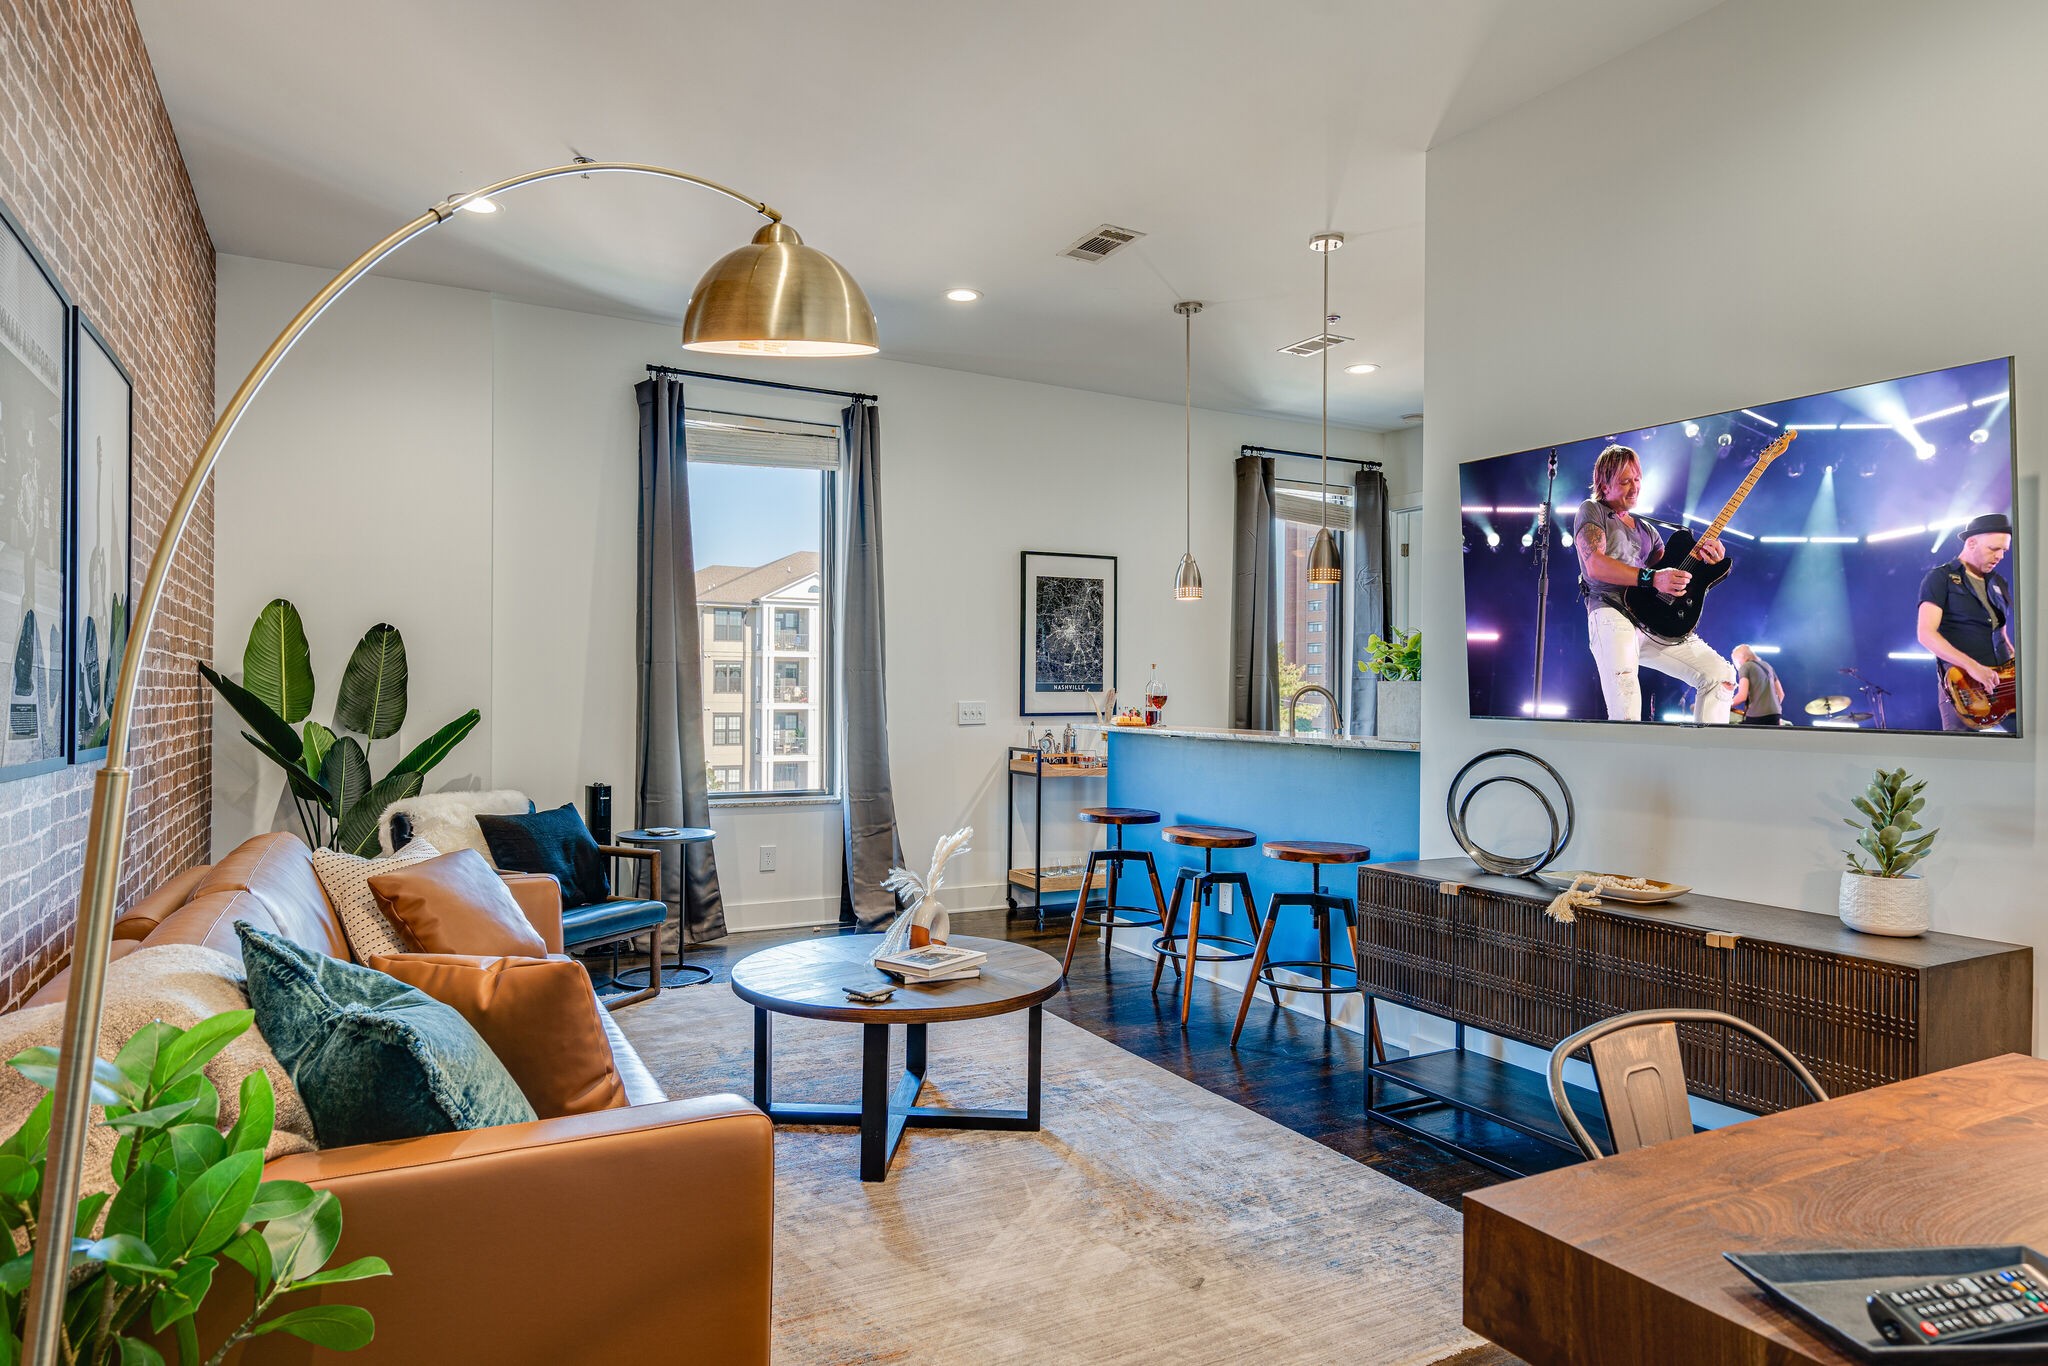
[
  {"x": 1885, "y": 905},
  {"x": 1400, "y": 710}
]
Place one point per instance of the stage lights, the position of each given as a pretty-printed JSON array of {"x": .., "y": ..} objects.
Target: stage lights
[
  {"x": 1546, "y": 709},
  {"x": 1679, "y": 717},
  {"x": 1482, "y": 637},
  {"x": 1528, "y": 539},
  {"x": 1913, "y": 656},
  {"x": 1492, "y": 539},
  {"x": 1979, "y": 437},
  {"x": 1567, "y": 540},
  {"x": 1748, "y": 412},
  {"x": 1990, "y": 398},
  {"x": 1692, "y": 429},
  {"x": 1726, "y": 441},
  {"x": 1784, "y": 540},
  {"x": 1764, "y": 649},
  {"x": 1896, "y": 533},
  {"x": 1950, "y": 411}
]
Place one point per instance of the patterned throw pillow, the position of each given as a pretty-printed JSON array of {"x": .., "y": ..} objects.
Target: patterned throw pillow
[{"x": 346, "y": 880}]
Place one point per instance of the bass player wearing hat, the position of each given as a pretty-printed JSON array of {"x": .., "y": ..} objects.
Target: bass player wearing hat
[{"x": 1965, "y": 615}]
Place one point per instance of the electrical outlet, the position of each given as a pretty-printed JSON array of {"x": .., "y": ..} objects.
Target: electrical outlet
[
  {"x": 973, "y": 713},
  {"x": 767, "y": 858}
]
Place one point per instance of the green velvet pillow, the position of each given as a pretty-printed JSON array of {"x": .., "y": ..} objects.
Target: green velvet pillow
[{"x": 374, "y": 1058}]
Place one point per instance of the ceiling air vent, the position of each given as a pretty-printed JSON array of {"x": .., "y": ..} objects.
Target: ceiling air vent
[
  {"x": 1104, "y": 241},
  {"x": 1314, "y": 346}
]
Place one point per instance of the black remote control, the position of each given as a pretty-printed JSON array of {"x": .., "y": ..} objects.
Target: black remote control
[{"x": 1970, "y": 1308}]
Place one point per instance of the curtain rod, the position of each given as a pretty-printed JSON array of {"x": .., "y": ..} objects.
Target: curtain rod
[
  {"x": 765, "y": 383},
  {"x": 1249, "y": 449}
]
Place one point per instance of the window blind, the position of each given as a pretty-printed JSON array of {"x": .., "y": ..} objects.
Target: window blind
[
  {"x": 742, "y": 439},
  {"x": 1298, "y": 502}
]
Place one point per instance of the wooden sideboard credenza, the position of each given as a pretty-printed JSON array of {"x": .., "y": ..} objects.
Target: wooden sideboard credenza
[{"x": 1442, "y": 937}]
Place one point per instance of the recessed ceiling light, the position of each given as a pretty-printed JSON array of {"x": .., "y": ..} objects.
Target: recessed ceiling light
[
  {"x": 963, "y": 296},
  {"x": 1363, "y": 368},
  {"x": 479, "y": 206}
]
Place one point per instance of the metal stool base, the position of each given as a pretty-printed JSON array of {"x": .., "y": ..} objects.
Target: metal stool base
[
  {"x": 1323, "y": 907},
  {"x": 1110, "y": 917}
]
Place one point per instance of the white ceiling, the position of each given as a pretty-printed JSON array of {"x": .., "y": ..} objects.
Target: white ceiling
[{"x": 923, "y": 143}]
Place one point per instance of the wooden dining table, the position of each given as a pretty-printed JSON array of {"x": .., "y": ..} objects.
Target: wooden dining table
[{"x": 1618, "y": 1262}]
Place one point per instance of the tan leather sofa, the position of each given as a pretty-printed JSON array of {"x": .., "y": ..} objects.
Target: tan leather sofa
[{"x": 642, "y": 1233}]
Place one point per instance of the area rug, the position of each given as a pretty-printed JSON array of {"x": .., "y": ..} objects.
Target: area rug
[{"x": 1149, "y": 1221}]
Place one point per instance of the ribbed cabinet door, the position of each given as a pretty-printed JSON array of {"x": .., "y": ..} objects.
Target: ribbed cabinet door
[
  {"x": 1406, "y": 937},
  {"x": 1627, "y": 964},
  {"x": 1854, "y": 1023}
]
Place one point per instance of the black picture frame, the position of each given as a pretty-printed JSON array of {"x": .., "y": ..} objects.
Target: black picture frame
[
  {"x": 1081, "y": 590},
  {"x": 102, "y": 535},
  {"x": 35, "y": 524}
]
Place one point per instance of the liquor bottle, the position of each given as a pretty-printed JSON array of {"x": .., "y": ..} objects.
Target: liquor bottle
[{"x": 1155, "y": 699}]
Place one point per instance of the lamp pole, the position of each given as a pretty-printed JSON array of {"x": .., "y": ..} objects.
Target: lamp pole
[{"x": 93, "y": 928}]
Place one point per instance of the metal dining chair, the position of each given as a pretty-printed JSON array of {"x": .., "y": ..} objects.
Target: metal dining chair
[{"x": 1642, "y": 1077}]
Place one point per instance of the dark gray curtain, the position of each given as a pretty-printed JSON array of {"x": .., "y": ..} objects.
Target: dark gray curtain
[
  {"x": 1371, "y": 575},
  {"x": 1254, "y": 631},
  {"x": 872, "y": 845},
  {"x": 670, "y": 781}
]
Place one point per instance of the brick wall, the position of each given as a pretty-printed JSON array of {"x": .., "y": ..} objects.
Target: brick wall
[{"x": 89, "y": 166}]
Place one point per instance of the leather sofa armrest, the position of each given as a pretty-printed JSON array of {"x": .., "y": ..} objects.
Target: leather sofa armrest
[
  {"x": 141, "y": 919},
  {"x": 598, "y": 1217},
  {"x": 540, "y": 896}
]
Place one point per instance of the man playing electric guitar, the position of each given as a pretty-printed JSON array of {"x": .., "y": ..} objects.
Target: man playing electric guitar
[
  {"x": 1614, "y": 552},
  {"x": 1965, "y": 616}
]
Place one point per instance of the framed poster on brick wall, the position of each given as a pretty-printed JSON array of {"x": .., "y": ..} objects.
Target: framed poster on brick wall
[
  {"x": 102, "y": 567},
  {"x": 34, "y": 603}
]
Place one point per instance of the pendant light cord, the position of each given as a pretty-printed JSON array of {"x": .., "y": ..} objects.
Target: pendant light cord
[
  {"x": 1326, "y": 390},
  {"x": 1188, "y": 442}
]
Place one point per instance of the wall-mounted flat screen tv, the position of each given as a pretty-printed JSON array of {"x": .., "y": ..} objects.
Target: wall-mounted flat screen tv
[{"x": 1838, "y": 561}]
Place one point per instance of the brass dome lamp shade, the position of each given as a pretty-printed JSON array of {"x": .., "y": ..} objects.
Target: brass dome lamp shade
[
  {"x": 1324, "y": 563},
  {"x": 1187, "y": 579},
  {"x": 774, "y": 297},
  {"x": 777, "y": 297}
]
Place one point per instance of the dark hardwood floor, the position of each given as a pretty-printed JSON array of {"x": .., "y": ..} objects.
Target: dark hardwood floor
[{"x": 1287, "y": 1066}]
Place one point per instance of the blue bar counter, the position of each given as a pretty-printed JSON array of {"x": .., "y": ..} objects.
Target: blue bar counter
[{"x": 1357, "y": 789}]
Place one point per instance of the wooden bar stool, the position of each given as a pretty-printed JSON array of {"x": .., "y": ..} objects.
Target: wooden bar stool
[
  {"x": 1114, "y": 857},
  {"x": 1195, "y": 946},
  {"x": 1322, "y": 905}
]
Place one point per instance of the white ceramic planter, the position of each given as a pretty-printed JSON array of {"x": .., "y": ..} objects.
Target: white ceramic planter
[
  {"x": 1885, "y": 905},
  {"x": 1400, "y": 710}
]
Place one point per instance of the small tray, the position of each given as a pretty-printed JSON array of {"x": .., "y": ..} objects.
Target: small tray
[
  {"x": 1828, "y": 1289},
  {"x": 1658, "y": 891}
]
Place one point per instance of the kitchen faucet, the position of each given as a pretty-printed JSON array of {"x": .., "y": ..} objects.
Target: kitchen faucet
[{"x": 1292, "y": 703}]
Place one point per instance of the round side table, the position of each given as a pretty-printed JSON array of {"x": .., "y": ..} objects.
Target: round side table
[{"x": 678, "y": 973}]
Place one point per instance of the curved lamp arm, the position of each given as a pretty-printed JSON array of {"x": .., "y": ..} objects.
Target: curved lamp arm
[{"x": 93, "y": 929}]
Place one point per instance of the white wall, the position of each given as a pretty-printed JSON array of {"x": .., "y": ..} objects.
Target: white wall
[
  {"x": 358, "y": 486},
  {"x": 975, "y": 470},
  {"x": 1771, "y": 200}
]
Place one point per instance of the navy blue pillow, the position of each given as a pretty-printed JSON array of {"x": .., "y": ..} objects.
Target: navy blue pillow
[
  {"x": 373, "y": 1058},
  {"x": 555, "y": 842}
]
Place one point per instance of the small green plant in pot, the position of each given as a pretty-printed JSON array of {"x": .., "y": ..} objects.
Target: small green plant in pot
[
  {"x": 329, "y": 774},
  {"x": 1397, "y": 663},
  {"x": 190, "y": 1202},
  {"x": 1884, "y": 895}
]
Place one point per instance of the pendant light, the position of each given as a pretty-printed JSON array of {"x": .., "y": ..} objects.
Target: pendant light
[
  {"x": 1324, "y": 565},
  {"x": 1187, "y": 580}
]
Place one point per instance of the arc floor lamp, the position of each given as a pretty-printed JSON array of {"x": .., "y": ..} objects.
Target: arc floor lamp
[{"x": 773, "y": 297}]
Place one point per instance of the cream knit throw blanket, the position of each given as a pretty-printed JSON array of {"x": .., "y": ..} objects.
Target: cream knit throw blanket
[{"x": 180, "y": 984}]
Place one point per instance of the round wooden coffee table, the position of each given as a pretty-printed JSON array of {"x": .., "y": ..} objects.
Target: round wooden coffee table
[{"x": 809, "y": 978}]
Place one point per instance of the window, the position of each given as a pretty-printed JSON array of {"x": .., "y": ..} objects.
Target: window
[
  {"x": 1316, "y": 606},
  {"x": 1315, "y": 647},
  {"x": 763, "y": 500},
  {"x": 1314, "y": 671},
  {"x": 1315, "y": 626},
  {"x": 1310, "y": 614}
]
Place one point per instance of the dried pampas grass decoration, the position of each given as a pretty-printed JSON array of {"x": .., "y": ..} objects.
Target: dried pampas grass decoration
[{"x": 924, "y": 920}]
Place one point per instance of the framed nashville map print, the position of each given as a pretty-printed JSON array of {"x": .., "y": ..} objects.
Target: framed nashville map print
[{"x": 1068, "y": 632}]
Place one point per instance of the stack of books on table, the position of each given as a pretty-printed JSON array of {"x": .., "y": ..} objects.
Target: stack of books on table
[{"x": 932, "y": 963}]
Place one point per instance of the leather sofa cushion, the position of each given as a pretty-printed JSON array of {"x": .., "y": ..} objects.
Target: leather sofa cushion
[
  {"x": 539, "y": 1015},
  {"x": 611, "y": 920},
  {"x": 456, "y": 904},
  {"x": 141, "y": 919},
  {"x": 277, "y": 869},
  {"x": 373, "y": 1058}
]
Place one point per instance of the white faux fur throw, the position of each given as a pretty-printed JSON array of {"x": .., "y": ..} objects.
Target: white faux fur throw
[
  {"x": 180, "y": 984},
  {"x": 447, "y": 820}
]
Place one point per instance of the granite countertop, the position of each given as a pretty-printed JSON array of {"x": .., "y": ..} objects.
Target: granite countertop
[{"x": 1262, "y": 737}]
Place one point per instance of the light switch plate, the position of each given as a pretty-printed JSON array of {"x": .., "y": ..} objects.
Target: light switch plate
[{"x": 973, "y": 713}]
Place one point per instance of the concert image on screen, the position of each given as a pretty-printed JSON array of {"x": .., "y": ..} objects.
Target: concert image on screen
[{"x": 1840, "y": 561}]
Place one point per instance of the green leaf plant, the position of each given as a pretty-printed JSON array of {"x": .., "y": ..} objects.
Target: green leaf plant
[
  {"x": 1889, "y": 806},
  {"x": 188, "y": 1198},
  {"x": 1395, "y": 661},
  {"x": 328, "y": 772}
]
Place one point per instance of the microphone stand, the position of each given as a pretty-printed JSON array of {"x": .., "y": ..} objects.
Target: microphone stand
[
  {"x": 1543, "y": 522},
  {"x": 1875, "y": 693}
]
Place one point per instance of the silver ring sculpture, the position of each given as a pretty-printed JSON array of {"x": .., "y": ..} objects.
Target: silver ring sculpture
[{"x": 1455, "y": 807}]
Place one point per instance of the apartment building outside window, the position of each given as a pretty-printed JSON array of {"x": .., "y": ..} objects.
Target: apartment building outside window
[
  {"x": 1309, "y": 613},
  {"x": 761, "y": 515}
]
